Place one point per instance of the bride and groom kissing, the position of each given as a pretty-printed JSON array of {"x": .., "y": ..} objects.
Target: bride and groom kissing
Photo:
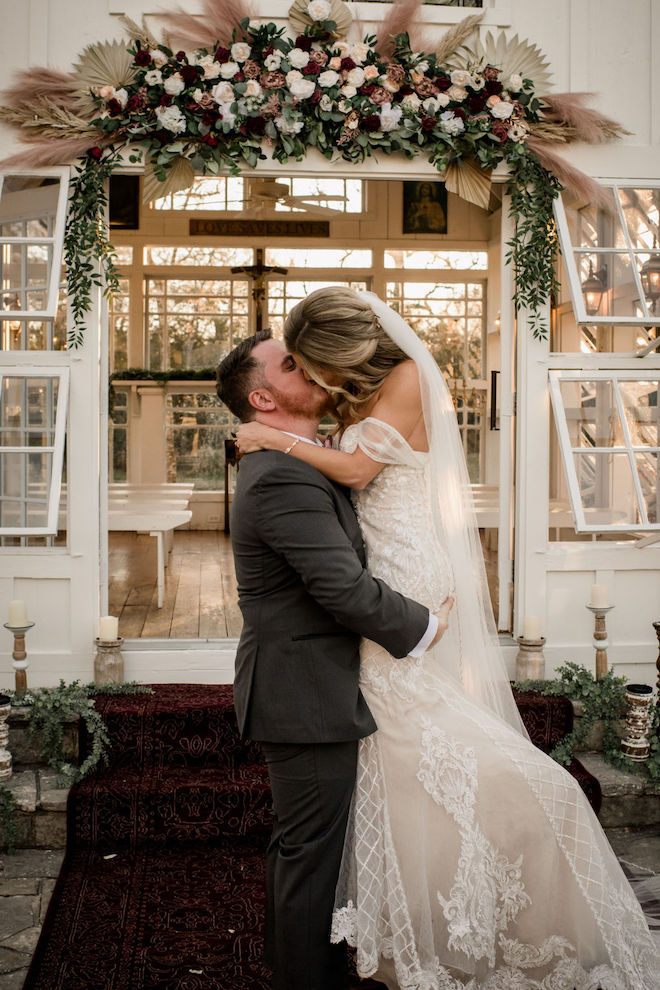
[{"x": 413, "y": 818}]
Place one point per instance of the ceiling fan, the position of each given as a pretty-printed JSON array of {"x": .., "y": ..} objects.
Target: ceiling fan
[{"x": 263, "y": 194}]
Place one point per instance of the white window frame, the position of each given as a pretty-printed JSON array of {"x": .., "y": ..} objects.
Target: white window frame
[
  {"x": 57, "y": 447},
  {"x": 569, "y": 251},
  {"x": 567, "y": 450},
  {"x": 55, "y": 241}
]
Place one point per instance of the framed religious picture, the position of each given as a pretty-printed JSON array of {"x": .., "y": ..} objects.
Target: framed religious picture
[
  {"x": 124, "y": 202},
  {"x": 424, "y": 208}
]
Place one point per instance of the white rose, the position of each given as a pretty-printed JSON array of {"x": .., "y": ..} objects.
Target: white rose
[
  {"x": 122, "y": 96},
  {"x": 210, "y": 66},
  {"x": 226, "y": 113},
  {"x": 411, "y": 102},
  {"x": 171, "y": 119},
  {"x": 228, "y": 70},
  {"x": 441, "y": 99},
  {"x": 272, "y": 62},
  {"x": 158, "y": 58},
  {"x": 343, "y": 48},
  {"x": 325, "y": 103},
  {"x": 348, "y": 90},
  {"x": 288, "y": 126},
  {"x": 319, "y": 10},
  {"x": 240, "y": 52},
  {"x": 302, "y": 89},
  {"x": 390, "y": 117},
  {"x": 359, "y": 52},
  {"x": 390, "y": 84},
  {"x": 298, "y": 58},
  {"x": 344, "y": 106},
  {"x": 461, "y": 77},
  {"x": 355, "y": 77},
  {"x": 197, "y": 95},
  {"x": 223, "y": 93},
  {"x": 293, "y": 76},
  {"x": 457, "y": 93},
  {"x": 451, "y": 124},
  {"x": 422, "y": 67},
  {"x": 502, "y": 110},
  {"x": 515, "y": 82},
  {"x": 478, "y": 83},
  {"x": 154, "y": 77},
  {"x": 431, "y": 105},
  {"x": 253, "y": 88},
  {"x": 174, "y": 84},
  {"x": 328, "y": 78}
]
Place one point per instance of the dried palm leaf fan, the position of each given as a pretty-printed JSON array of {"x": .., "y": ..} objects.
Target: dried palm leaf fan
[
  {"x": 180, "y": 175},
  {"x": 470, "y": 181},
  {"x": 339, "y": 13},
  {"x": 107, "y": 63},
  {"x": 510, "y": 55}
]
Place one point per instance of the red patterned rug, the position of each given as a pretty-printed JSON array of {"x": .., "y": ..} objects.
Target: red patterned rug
[{"x": 162, "y": 885}]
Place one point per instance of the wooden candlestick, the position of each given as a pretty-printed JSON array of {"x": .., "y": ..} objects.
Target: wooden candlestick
[
  {"x": 600, "y": 640},
  {"x": 656, "y": 626},
  {"x": 19, "y": 656}
]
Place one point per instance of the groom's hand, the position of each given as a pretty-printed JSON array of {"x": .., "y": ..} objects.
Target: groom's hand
[{"x": 442, "y": 615}]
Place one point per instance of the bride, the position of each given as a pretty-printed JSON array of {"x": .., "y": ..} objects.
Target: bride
[{"x": 472, "y": 860}]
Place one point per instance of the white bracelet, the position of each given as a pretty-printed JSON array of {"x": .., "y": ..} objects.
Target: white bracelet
[{"x": 292, "y": 445}]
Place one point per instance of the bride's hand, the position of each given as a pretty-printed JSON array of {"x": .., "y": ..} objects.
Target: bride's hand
[
  {"x": 255, "y": 436},
  {"x": 442, "y": 615}
]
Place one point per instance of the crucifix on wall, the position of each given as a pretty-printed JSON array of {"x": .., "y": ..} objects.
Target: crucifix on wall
[{"x": 258, "y": 273}]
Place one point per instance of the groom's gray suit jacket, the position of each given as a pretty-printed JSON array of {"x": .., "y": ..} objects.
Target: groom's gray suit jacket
[{"x": 306, "y": 600}]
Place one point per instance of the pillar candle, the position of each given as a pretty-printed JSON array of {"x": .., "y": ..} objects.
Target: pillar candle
[
  {"x": 17, "y": 614},
  {"x": 599, "y": 596},
  {"x": 531, "y": 627},
  {"x": 108, "y": 628}
]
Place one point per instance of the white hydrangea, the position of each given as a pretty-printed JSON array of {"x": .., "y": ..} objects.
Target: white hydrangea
[
  {"x": 174, "y": 84},
  {"x": 240, "y": 51},
  {"x": 355, "y": 77},
  {"x": 451, "y": 124},
  {"x": 209, "y": 65},
  {"x": 298, "y": 58},
  {"x": 272, "y": 62},
  {"x": 154, "y": 77},
  {"x": 288, "y": 126},
  {"x": 411, "y": 102},
  {"x": 228, "y": 117},
  {"x": 328, "y": 78},
  {"x": 228, "y": 70},
  {"x": 171, "y": 119},
  {"x": 158, "y": 58},
  {"x": 359, "y": 52},
  {"x": 461, "y": 77},
  {"x": 390, "y": 117},
  {"x": 319, "y": 10},
  {"x": 223, "y": 93},
  {"x": 502, "y": 110}
]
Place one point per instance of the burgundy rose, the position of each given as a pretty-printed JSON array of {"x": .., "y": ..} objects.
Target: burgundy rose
[
  {"x": 221, "y": 54},
  {"x": 142, "y": 57},
  {"x": 315, "y": 97},
  {"x": 239, "y": 77},
  {"x": 312, "y": 69},
  {"x": 442, "y": 83},
  {"x": 476, "y": 103},
  {"x": 189, "y": 73},
  {"x": 304, "y": 42},
  {"x": 380, "y": 95},
  {"x": 395, "y": 72},
  {"x": 347, "y": 64},
  {"x": 211, "y": 140},
  {"x": 500, "y": 130},
  {"x": 114, "y": 107},
  {"x": 318, "y": 56},
  {"x": 273, "y": 80},
  {"x": 268, "y": 50},
  {"x": 428, "y": 123},
  {"x": 162, "y": 136},
  {"x": 95, "y": 153},
  {"x": 180, "y": 56},
  {"x": 209, "y": 117},
  {"x": 134, "y": 102},
  {"x": 251, "y": 70},
  {"x": 371, "y": 122},
  {"x": 255, "y": 125},
  {"x": 493, "y": 87},
  {"x": 367, "y": 89},
  {"x": 165, "y": 100},
  {"x": 459, "y": 112},
  {"x": 490, "y": 73},
  {"x": 425, "y": 88},
  {"x": 405, "y": 90}
]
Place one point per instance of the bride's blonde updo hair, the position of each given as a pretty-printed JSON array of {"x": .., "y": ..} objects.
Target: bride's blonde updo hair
[{"x": 333, "y": 329}]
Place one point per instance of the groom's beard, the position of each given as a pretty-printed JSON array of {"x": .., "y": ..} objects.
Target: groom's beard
[{"x": 315, "y": 406}]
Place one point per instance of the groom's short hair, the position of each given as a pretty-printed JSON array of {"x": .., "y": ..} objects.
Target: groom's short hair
[{"x": 239, "y": 373}]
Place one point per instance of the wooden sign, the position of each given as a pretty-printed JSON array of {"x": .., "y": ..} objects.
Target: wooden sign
[{"x": 260, "y": 228}]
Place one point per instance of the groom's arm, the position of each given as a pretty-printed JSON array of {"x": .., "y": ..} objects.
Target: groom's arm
[{"x": 297, "y": 516}]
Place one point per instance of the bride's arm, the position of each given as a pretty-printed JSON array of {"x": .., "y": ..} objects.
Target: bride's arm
[{"x": 398, "y": 404}]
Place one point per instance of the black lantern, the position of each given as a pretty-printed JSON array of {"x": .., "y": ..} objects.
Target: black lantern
[
  {"x": 593, "y": 288},
  {"x": 649, "y": 274}
]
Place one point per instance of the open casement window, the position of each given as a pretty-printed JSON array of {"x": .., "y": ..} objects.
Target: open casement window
[
  {"x": 608, "y": 424},
  {"x": 32, "y": 217},
  {"x": 33, "y": 406},
  {"x": 612, "y": 257}
]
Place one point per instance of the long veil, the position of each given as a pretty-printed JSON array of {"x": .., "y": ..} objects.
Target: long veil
[{"x": 482, "y": 670}]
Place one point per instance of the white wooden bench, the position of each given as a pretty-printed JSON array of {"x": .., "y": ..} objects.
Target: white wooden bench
[{"x": 486, "y": 505}]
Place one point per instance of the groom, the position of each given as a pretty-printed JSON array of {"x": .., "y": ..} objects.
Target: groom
[{"x": 306, "y": 600}]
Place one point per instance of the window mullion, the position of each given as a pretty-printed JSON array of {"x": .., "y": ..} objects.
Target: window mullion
[{"x": 629, "y": 450}]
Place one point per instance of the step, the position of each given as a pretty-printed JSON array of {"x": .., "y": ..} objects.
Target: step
[
  {"x": 628, "y": 799},
  {"x": 123, "y": 807},
  {"x": 40, "y": 816}
]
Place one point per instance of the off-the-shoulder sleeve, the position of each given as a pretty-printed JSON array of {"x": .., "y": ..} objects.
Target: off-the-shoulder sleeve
[{"x": 381, "y": 442}]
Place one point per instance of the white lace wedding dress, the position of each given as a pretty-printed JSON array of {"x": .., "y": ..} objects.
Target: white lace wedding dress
[{"x": 472, "y": 859}]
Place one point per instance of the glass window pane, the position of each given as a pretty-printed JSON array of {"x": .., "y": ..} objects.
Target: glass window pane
[
  {"x": 646, "y": 463},
  {"x": 206, "y": 193},
  {"x": 641, "y": 209},
  {"x": 595, "y": 227},
  {"x": 606, "y": 487},
  {"x": 425, "y": 260},
  {"x": 640, "y": 403},
  {"x": 212, "y": 257},
  {"x": 620, "y": 296},
  {"x": 318, "y": 258},
  {"x": 591, "y": 414}
]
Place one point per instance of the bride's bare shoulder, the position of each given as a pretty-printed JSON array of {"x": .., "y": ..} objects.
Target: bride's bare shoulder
[{"x": 402, "y": 381}]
